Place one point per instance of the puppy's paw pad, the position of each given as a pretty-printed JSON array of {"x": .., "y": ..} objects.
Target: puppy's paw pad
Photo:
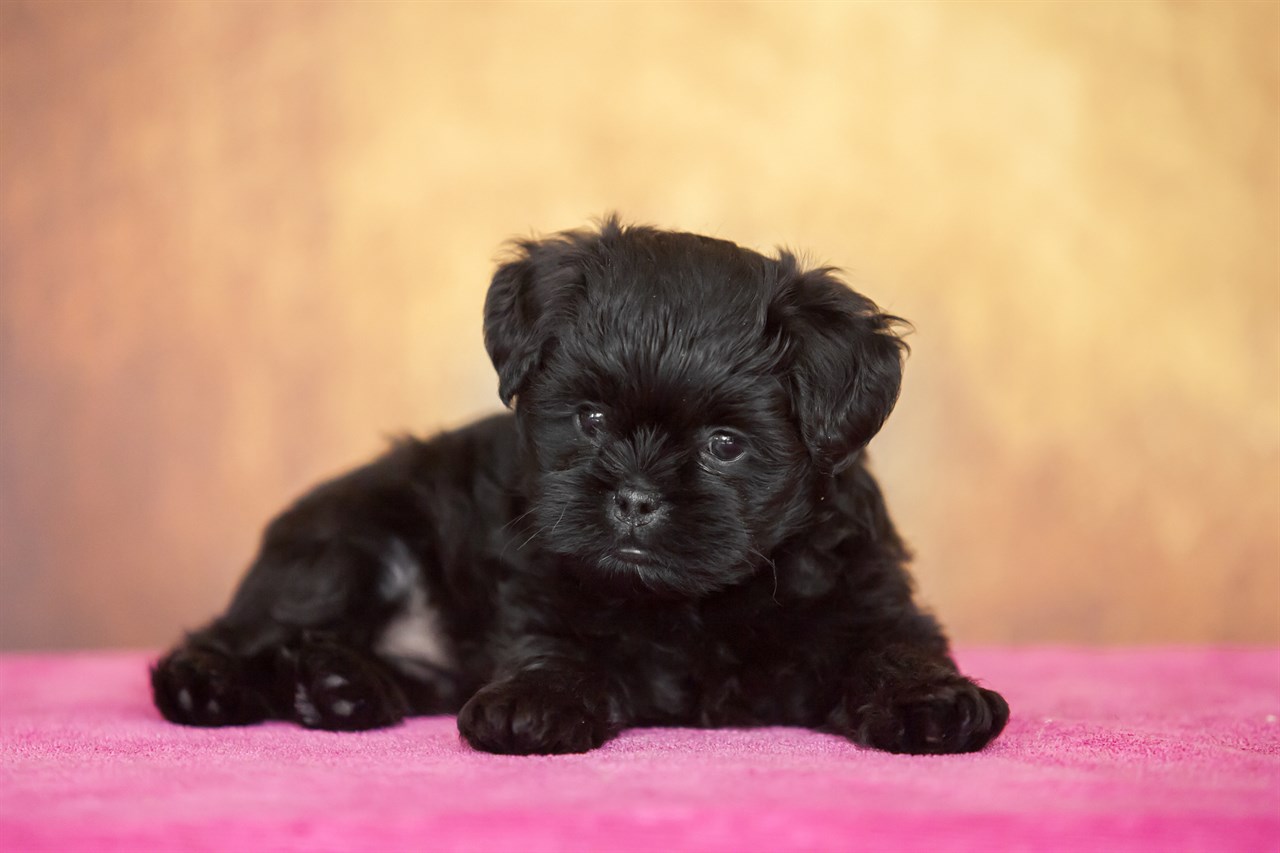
[
  {"x": 521, "y": 717},
  {"x": 957, "y": 716},
  {"x": 201, "y": 688},
  {"x": 337, "y": 690}
]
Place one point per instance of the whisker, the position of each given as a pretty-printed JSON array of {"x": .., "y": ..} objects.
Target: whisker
[
  {"x": 774, "y": 567},
  {"x": 517, "y": 518},
  {"x": 509, "y": 540},
  {"x": 560, "y": 519},
  {"x": 530, "y": 539}
]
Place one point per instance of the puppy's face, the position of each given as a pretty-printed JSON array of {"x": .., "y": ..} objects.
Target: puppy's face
[{"x": 682, "y": 400}]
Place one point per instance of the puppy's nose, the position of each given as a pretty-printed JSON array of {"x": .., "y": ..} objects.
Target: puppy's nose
[{"x": 636, "y": 507}]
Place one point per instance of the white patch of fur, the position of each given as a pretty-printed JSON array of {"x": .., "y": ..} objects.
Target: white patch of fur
[
  {"x": 307, "y": 712},
  {"x": 415, "y": 632},
  {"x": 400, "y": 571}
]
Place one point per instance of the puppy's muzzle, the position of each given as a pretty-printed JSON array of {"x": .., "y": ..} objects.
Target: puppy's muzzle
[{"x": 631, "y": 507}]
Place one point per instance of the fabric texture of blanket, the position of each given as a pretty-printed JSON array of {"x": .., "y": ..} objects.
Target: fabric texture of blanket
[{"x": 1155, "y": 749}]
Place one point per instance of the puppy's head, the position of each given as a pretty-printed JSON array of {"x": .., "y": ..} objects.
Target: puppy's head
[{"x": 682, "y": 400}]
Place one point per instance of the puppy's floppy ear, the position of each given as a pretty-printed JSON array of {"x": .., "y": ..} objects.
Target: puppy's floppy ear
[
  {"x": 842, "y": 360},
  {"x": 530, "y": 297}
]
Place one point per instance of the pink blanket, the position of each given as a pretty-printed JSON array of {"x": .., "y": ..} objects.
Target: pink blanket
[{"x": 1157, "y": 749}]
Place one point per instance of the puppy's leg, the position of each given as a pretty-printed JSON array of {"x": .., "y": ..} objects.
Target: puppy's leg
[
  {"x": 337, "y": 687},
  {"x": 910, "y": 698},
  {"x": 547, "y": 701},
  {"x": 296, "y": 643},
  {"x": 305, "y": 637},
  {"x": 200, "y": 684},
  {"x": 315, "y": 680},
  {"x": 901, "y": 691}
]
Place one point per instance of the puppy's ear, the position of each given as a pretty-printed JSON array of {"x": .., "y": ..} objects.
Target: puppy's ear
[
  {"x": 842, "y": 358},
  {"x": 530, "y": 297}
]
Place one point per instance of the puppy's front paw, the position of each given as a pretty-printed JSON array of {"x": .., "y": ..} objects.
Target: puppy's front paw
[
  {"x": 196, "y": 687},
  {"x": 953, "y": 716},
  {"x": 527, "y": 715},
  {"x": 336, "y": 688}
]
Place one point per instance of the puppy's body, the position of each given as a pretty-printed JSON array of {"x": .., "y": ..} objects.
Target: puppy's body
[{"x": 676, "y": 528}]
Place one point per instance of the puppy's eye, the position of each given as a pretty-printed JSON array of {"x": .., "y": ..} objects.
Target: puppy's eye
[
  {"x": 590, "y": 422},
  {"x": 726, "y": 446}
]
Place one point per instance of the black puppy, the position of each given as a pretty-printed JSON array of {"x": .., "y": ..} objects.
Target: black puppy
[{"x": 676, "y": 527}]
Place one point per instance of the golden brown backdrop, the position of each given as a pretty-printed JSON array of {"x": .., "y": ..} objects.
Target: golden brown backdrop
[{"x": 243, "y": 242}]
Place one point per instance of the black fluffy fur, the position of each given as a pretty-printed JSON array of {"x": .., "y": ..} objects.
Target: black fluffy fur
[{"x": 587, "y": 574}]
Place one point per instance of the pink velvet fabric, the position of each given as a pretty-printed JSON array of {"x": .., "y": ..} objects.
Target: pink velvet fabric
[{"x": 1159, "y": 749}]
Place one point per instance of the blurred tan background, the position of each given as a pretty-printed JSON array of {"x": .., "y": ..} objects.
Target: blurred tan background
[{"x": 241, "y": 243}]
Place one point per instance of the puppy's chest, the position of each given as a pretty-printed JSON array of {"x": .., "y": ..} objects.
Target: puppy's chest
[{"x": 688, "y": 666}]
